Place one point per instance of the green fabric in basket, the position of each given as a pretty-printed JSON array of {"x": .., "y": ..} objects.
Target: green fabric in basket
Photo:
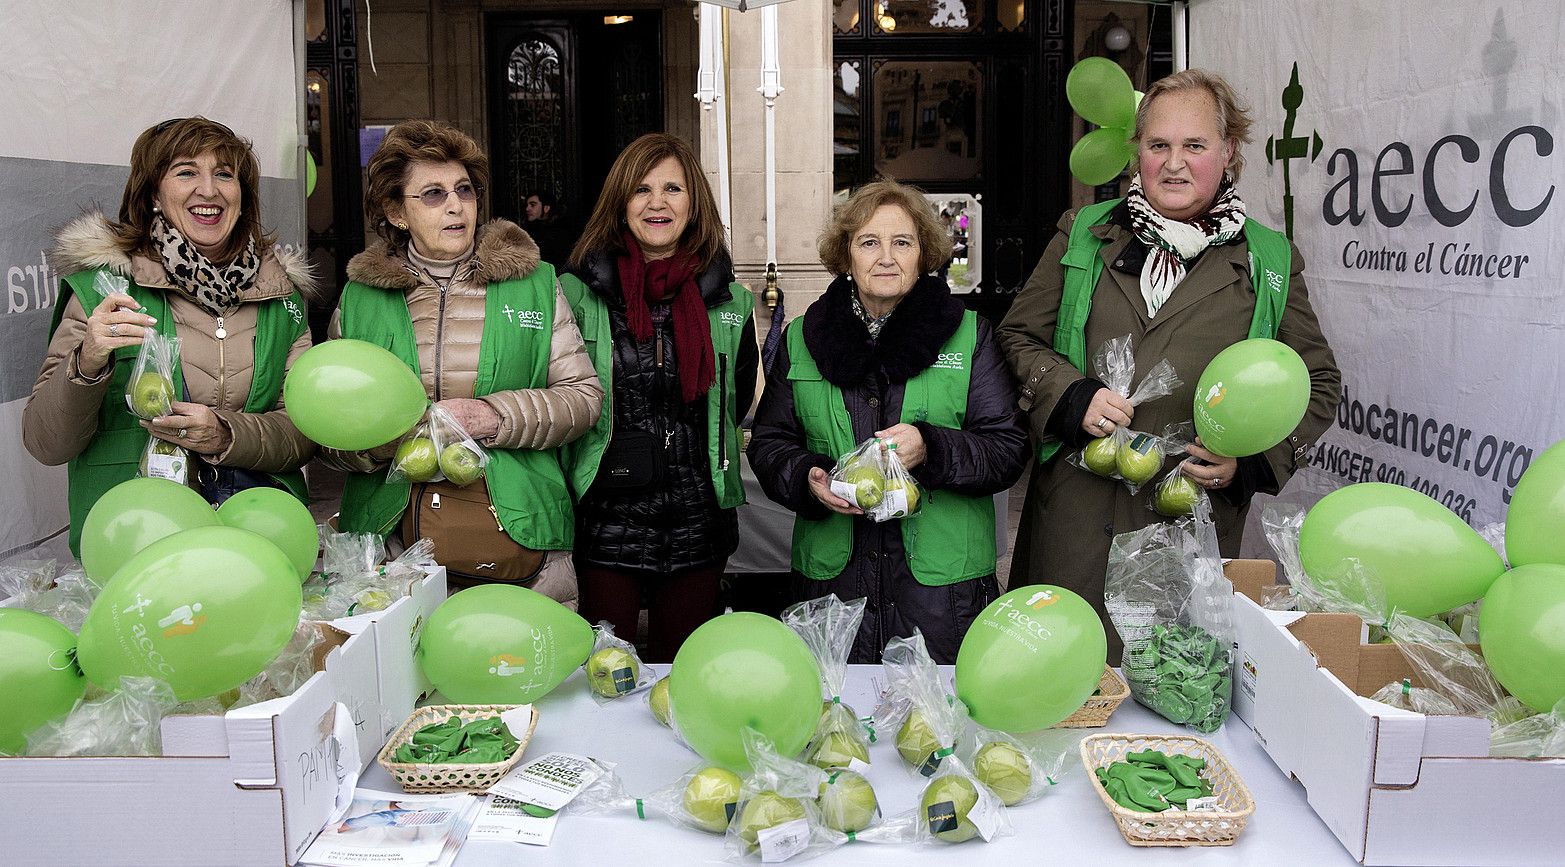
[{"x": 482, "y": 741}]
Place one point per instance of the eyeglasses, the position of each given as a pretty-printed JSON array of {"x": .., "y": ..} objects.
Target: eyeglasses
[{"x": 436, "y": 197}]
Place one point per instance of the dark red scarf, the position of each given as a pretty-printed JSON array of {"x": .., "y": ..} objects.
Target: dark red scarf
[{"x": 645, "y": 283}]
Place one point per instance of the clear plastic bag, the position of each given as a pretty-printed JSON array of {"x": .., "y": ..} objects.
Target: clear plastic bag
[
  {"x": 1176, "y": 496},
  {"x": 461, "y": 459},
  {"x": 416, "y": 459},
  {"x": 125, "y": 722},
  {"x": 149, "y": 393},
  {"x": 1173, "y": 608},
  {"x": 161, "y": 459},
  {"x": 873, "y": 478},
  {"x": 33, "y": 585},
  {"x": 927, "y": 717},
  {"x": 1018, "y": 769},
  {"x": 828, "y": 626},
  {"x": 614, "y": 668},
  {"x": 352, "y": 581},
  {"x": 1141, "y": 456},
  {"x": 1537, "y": 736},
  {"x": 778, "y": 818},
  {"x": 1115, "y": 364},
  {"x": 288, "y": 671},
  {"x": 106, "y": 284},
  {"x": 1403, "y": 695},
  {"x": 704, "y": 798}
]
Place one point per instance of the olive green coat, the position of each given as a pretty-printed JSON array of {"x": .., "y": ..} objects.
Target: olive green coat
[{"x": 1070, "y": 514}]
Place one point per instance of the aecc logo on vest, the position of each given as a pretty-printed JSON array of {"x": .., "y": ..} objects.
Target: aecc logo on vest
[
  {"x": 728, "y": 317},
  {"x": 524, "y": 318},
  {"x": 950, "y": 361}
]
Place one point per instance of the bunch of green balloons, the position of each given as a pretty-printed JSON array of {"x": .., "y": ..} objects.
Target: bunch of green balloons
[{"x": 1101, "y": 92}]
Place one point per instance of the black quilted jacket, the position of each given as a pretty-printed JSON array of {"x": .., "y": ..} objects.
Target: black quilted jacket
[
  {"x": 676, "y": 525},
  {"x": 985, "y": 457}
]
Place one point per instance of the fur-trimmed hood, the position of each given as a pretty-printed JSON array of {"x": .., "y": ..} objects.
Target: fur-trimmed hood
[
  {"x": 89, "y": 242},
  {"x": 504, "y": 252},
  {"x": 909, "y": 342}
]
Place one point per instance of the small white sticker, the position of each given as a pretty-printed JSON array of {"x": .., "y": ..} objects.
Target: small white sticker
[
  {"x": 171, "y": 467},
  {"x": 846, "y": 491},
  {"x": 858, "y": 765},
  {"x": 1208, "y": 804},
  {"x": 1248, "y": 674},
  {"x": 895, "y": 503},
  {"x": 781, "y": 842},
  {"x": 985, "y": 814}
]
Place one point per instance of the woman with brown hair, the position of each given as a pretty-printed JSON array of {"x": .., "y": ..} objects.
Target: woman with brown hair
[
  {"x": 888, "y": 352},
  {"x": 198, "y": 267},
  {"x": 672, "y": 337},
  {"x": 479, "y": 316}
]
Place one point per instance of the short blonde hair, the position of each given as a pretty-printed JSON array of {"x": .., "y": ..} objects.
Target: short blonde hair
[
  {"x": 1233, "y": 118},
  {"x": 836, "y": 242}
]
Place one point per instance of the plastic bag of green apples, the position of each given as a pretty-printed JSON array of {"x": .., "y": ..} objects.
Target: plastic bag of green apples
[
  {"x": 1172, "y": 606},
  {"x": 1176, "y": 494},
  {"x": 873, "y": 478},
  {"x": 438, "y": 448},
  {"x": 149, "y": 395},
  {"x": 614, "y": 669},
  {"x": 829, "y": 626},
  {"x": 1125, "y": 454},
  {"x": 955, "y": 805}
]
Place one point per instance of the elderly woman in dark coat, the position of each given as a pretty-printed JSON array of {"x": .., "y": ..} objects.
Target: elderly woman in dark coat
[
  {"x": 887, "y": 352},
  {"x": 1170, "y": 265}
]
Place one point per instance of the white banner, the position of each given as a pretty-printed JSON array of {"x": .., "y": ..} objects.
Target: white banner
[
  {"x": 80, "y": 81},
  {"x": 1415, "y": 158}
]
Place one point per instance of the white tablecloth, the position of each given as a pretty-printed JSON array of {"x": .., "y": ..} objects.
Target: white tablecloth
[{"x": 1069, "y": 825}]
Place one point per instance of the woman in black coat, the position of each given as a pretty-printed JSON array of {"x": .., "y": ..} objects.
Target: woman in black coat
[{"x": 883, "y": 329}]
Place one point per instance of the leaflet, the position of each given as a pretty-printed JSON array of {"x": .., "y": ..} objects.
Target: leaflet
[
  {"x": 549, "y": 781},
  {"x": 506, "y": 820}
]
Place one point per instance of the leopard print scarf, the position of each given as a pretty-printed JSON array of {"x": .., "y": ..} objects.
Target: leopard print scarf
[{"x": 216, "y": 289}]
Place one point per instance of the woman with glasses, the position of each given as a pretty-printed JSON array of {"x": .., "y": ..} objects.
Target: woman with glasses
[
  {"x": 479, "y": 316},
  {"x": 187, "y": 259}
]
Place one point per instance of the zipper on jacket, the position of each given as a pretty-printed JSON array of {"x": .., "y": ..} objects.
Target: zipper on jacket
[
  {"x": 440, "y": 328},
  {"x": 221, "y": 333},
  {"x": 722, "y": 411},
  {"x": 657, "y": 358}
]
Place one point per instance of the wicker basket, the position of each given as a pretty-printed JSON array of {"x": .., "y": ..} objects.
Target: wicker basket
[
  {"x": 1095, "y": 714},
  {"x": 453, "y": 777},
  {"x": 1173, "y": 827}
]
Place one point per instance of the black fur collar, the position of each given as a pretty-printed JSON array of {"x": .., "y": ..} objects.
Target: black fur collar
[{"x": 909, "y": 342}]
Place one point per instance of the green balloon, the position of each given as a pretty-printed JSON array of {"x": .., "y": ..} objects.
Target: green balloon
[
  {"x": 1522, "y": 628},
  {"x": 1101, "y": 92},
  {"x": 1250, "y": 397},
  {"x": 1424, "y": 558},
  {"x": 1030, "y": 659},
  {"x": 204, "y": 610},
  {"x": 352, "y": 395},
  {"x": 309, "y": 173},
  {"x": 276, "y": 515},
  {"x": 132, "y": 515},
  {"x": 1535, "y": 519},
  {"x": 501, "y": 644},
  {"x": 1100, "y": 156},
  {"x": 745, "y": 669},
  {"x": 38, "y": 675}
]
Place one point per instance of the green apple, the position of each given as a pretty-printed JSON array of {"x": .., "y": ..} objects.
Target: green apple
[
  {"x": 908, "y": 487},
  {"x": 1005, "y": 769},
  {"x": 916, "y": 740},
  {"x": 847, "y": 802},
  {"x": 826, "y": 710},
  {"x": 659, "y": 701},
  {"x": 151, "y": 395},
  {"x": 460, "y": 464},
  {"x": 611, "y": 672},
  {"x": 837, "y": 749},
  {"x": 1101, "y": 456},
  {"x": 1139, "y": 459},
  {"x": 417, "y": 460},
  {"x": 869, "y": 485},
  {"x": 766, "y": 810},
  {"x": 1177, "y": 496},
  {"x": 944, "y": 808},
  {"x": 710, "y": 798}
]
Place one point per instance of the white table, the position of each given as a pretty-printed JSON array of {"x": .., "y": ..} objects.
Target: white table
[{"x": 1069, "y": 825}]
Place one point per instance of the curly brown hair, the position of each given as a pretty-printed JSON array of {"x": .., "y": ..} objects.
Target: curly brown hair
[
  {"x": 836, "y": 241},
  {"x": 417, "y": 141},
  {"x": 703, "y": 236},
  {"x": 159, "y": 147},
  {"x": 1233, "y": 117}
]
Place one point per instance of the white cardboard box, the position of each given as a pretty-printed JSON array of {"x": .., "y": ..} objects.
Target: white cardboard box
[
  {"x": 1395, "y": 787},
  {"x": 252, "y": 787},
  {"x": 396, "y": 631}
]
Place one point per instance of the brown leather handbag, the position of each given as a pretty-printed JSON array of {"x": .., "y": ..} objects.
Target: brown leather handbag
[{"x": 469, "y": 540}]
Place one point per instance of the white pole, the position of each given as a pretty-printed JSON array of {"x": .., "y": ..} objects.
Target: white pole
[
  {"x": 1181, "y": 43},
  {"x": 771, "y": 86},
  {"x": 711, "y": 89}
]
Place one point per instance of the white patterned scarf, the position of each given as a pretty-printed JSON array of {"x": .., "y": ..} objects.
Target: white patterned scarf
[{"x": 1172, "y": 245}]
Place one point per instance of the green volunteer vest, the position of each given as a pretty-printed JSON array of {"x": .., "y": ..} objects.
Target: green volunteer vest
[
  {"x": 114, "y": 455},
  {"x": 724, "y": 438},
  {"x": 526, "y": 486},
  {"x": 952, "y": 538},
  {"x": 1271, "y": 261}
]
